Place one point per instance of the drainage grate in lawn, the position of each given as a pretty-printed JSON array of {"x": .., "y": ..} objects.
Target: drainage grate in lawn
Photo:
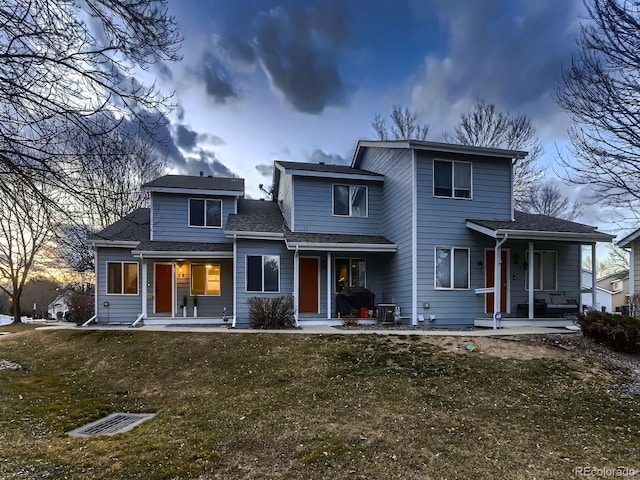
[{"x": 111, "y": 424}]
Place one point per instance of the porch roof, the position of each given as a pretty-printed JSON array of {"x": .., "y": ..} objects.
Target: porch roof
[
  {"x": 197, "y": 185},
  {"x": 530, "y": 226},
  {"x": 176, "y": 250},
  {"x": 338, "y": 242}
]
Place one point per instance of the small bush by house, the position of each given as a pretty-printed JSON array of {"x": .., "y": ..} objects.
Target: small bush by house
[
  {"x": 620, "y": 332},
  {"x": 271, "y": 313}
]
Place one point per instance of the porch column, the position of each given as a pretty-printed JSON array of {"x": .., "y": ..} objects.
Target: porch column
[
  {"x": 296, "y": 283},
  {"x": 497, "y": 282},
  {"x": 174, "y": 289},
  {"x": 144, "y": 288},
  {"x": 329, "y": 287},
  {"x": 530, "y": 274},
  {"x": 594, "y": 277}
]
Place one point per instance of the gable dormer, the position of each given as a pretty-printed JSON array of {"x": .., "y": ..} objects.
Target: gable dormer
[
  {"x": 319, "y": 197},
  {"x": 192, "y": 208}
]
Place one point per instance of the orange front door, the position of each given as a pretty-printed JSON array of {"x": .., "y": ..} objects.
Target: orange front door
[
  {"x": 308, "y": 285},
  {"x": 163, "y": 285},
  {"x": 490, "y": 279}
]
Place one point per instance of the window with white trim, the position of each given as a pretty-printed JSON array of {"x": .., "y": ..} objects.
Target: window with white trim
[
  {"x": 452, "y": 268},
  {"x": 205, "y": 279},
  {"x": 350, "y": 272},
  {"x": 451, "y": 179},
  {"x": 545, "y": 270},
  {"x": 205, "y": 213},
  {"x": 263, "y": 273},
  {"x": 122, "y": 278},
  {"x": 350, "y": 200}
]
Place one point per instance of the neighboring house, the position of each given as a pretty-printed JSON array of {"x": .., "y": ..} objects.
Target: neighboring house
[
  {"x": 631, "y": 243},
  {"x": 604, "y": 297},
  {"x": 59, "y": 305},
  {"x": 618, "y": 284},
  {"x": 429, "y": 228}
]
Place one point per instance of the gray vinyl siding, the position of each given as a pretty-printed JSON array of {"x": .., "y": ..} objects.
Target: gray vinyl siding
[
  {"x": 170, "y": 219},
  {"x": 121, "y": 308},
  {"x": 396, "y": 221},
  {"x": 442, "y": 223},
  {"x": 209, "y": 306},
  {"x": 251, "y": 247},
  {"x": 314, "y": 207},
  {"x": 285, "y": 198}
]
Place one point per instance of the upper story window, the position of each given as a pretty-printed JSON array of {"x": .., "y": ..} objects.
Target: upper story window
[
  {"x": 205, "y": 213},
  {"x": 122, "y": 278},
  {"x": 350, "y": 200},
  {"x": 451, "y": 179}
]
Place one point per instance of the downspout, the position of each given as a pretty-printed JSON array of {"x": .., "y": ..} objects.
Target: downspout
[
  {"x": 235, "y": 277},
  {"x": 143, "y": 314},
  {"x": 95, "y": 287},
  {"x": 138, "y": 320},
  {"x": 89, "y": 322},
  {"x": 594, "y": 277},
  {"x": 497, "y": 282},
  {"x": 329, "y": 287},
  {"x": 296, "y": 284}
]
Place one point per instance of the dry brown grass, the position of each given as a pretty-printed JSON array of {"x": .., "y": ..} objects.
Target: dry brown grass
[{"x": 297, "y": 406}]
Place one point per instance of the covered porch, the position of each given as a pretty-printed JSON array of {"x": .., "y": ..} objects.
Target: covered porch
[
  {"x": 536, "y": 262},
  {"x": 186, "y": 283},
  {"x": 326, "y": 266}
]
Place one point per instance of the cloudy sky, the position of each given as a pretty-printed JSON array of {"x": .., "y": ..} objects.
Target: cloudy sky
[{"x": 302, "y": 80}]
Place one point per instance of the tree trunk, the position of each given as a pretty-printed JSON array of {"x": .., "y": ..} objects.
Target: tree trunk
[{"x": 16, "y": 308}]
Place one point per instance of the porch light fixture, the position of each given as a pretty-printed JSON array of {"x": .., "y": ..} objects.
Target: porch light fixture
[{"x": 480, "y": 264}]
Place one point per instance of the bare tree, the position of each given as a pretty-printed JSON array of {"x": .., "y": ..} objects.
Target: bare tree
[
  {"x": 404, "y": 125},
  {"x": 548, "y": 200},
  {"x": 600, "y": 92},
  {"x": 617, "y": 260},
  {"x": 25, "y": 222},
  {"x": 62, "y": 63},
  {"x": 485, "y": 126},
  {"x": 110, "y": 179}
]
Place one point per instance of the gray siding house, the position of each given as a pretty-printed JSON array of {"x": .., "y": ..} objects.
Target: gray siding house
[{"x": 428, "y": 228}]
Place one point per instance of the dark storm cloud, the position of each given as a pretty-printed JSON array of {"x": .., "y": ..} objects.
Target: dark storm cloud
[
  {"x": 217, "y": 79},
  {"x": 265, "y": 170},
  {"x": 318, "y": 156},
  {"x": 237, "y": 49},
  {"x": 186, "y": 138},
  {"x": 205, "y": 162},
  {"x": 299, "y": 51},
  {"x": 505, "y": 51}
]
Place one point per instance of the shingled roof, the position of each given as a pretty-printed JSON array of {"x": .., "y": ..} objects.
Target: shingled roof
[
  {"x": 338, "y": 242},
  {"x": 534, "y": 226},
  {"x": 191, "y": 182},
  {"x": 187, "y": 249},
  {"x": 326, "y": 168},
  {"x": 256, "y": 217},
  {"x": 131, "y": 228}
]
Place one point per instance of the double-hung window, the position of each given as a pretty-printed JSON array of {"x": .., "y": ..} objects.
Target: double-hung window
[
  {"x": 350, "y": 272},
  {"x": 350, "y": 200},
  {"x": 205, "y": 279},
  {"x": 263, "y": 273},
  {"x": 122, "y": 278},
  {"x": 451, "y": 179},
  {"x": 545, "y": 266},
  {"x": 452, "y": 268},
  {"x": 205, "y": 212}
]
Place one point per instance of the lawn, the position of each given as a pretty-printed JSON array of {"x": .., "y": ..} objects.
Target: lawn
[{"x": 238, "y": 406}]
